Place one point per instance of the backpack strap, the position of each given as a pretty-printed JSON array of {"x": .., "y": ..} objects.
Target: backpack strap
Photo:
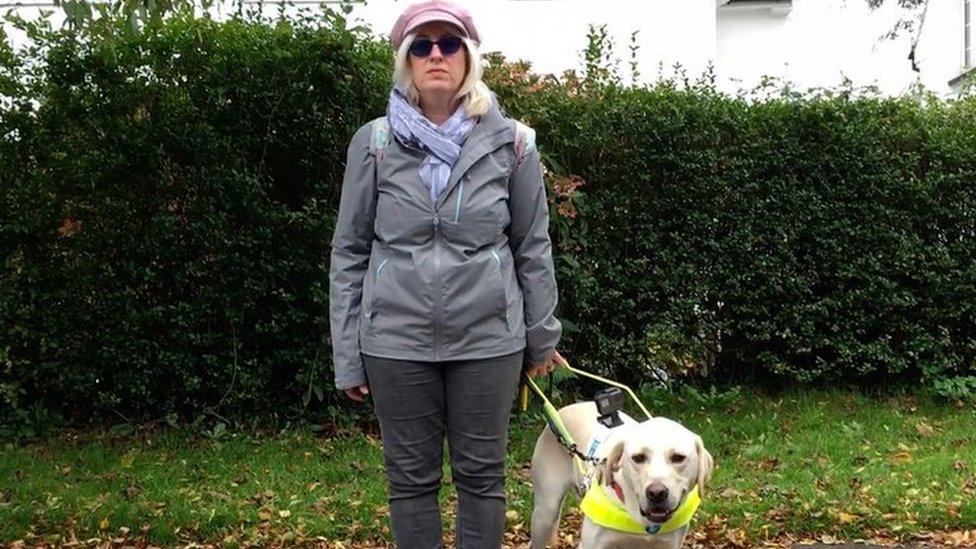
[
  {"x": 379, "y": 137},
  {"x": 524, "y": 142}
]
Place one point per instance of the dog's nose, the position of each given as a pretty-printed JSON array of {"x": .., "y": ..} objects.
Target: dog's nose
[{"x": 657, "y": 493}]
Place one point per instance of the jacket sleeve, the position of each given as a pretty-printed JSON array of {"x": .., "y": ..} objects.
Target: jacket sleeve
[
  {"x": 532, "y": 250},
  {"x": 352, "y": 240}
]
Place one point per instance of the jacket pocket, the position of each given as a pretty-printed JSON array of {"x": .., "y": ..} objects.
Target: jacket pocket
[
  {"x": 499, "y": 280},
  {"x": 369, "y": 292}
]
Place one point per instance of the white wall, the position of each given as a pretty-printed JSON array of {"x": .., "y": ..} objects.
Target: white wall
[
  {"x": 818, "y": 42},
  {"x": 750, "y": 42},
  {"x": 971, "y": 8},
  {"x": 940, "y": 50},
  {"x": 821, "y": 41}
]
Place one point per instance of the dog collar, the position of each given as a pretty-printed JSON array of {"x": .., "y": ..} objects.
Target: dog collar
[{"x": 607, "y": 512}]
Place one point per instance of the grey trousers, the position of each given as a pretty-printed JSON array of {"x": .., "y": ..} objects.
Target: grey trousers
[{"x": 416, "y": 404}]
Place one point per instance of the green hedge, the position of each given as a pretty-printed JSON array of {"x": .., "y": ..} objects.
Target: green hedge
[
  {"x": 799, "y": 238},
  {"x": 168, "y": 197}
]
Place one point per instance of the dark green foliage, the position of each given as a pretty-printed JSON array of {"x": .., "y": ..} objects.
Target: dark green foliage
[
  {"x": 169, "y": 192},
  {"x": 168, "y": 202},
  {"x": 821, "y": 238}
]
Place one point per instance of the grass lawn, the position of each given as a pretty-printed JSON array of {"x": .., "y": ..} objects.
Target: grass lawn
[{"x": 810, "y": 465}]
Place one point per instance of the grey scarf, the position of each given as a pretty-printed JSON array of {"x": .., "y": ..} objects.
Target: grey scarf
[{"x": 442, "y": 143}]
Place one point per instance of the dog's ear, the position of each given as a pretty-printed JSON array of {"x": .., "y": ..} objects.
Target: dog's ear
[
  {"x": 705, "y": 464},
  {"x": 605, "y": 470}
]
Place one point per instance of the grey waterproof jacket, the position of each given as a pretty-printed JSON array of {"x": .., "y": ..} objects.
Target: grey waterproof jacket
[{"x": 470, "y": 276}]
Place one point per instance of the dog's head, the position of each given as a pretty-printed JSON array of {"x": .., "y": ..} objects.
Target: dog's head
[{"x": 657, "y": 463}]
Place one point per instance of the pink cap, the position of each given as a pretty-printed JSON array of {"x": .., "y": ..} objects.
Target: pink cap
[{"x": 433, "y": 10}]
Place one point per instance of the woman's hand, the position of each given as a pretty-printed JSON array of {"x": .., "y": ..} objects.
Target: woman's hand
[
  {"x": 543, "y": 368},
  {"x": 358, "y": 393}
]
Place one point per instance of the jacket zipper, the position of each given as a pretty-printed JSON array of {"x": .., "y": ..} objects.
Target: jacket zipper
[
  {"x": 457, "y": 207},
  {"x": 437, "y": 285}
]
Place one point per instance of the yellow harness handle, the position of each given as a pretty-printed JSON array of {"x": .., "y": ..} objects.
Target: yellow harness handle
[{"x": 524, "y": 391}]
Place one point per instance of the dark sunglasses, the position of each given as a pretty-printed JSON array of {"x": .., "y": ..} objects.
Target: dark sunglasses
[{"x": 449, "y": 45}]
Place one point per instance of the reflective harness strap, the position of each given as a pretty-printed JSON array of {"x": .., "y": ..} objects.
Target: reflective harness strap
[
  {"x": 584, "y": 463},
  {"x": 612, "y": 514}
]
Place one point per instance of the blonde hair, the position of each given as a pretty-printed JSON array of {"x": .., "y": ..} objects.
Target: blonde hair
[{"x": 475, "y": 95}]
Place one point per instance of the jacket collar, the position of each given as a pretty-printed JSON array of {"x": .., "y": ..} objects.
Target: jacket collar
[{"x": 491, "y": 132}]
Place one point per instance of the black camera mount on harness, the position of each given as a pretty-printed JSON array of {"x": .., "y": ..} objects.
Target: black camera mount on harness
[{"x": 609, "y": 402}]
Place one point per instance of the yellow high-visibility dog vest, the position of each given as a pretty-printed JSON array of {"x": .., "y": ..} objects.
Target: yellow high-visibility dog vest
[{"x": 612, "y": 514}]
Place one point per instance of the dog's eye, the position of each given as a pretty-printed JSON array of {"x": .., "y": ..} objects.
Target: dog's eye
[
  {"x": 639, "y": 458},
  {"x": 678, "y": 458}
]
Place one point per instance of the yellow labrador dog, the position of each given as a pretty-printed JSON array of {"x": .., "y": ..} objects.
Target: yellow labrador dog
[{"x": 651, "y": 467}]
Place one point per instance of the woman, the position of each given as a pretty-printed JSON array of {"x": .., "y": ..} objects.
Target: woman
[{"x": 442, "y": 283}]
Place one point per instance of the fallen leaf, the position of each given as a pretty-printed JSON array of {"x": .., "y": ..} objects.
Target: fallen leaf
[
  {"x": 737, "y": 537},
  {"x": 730, "y": 493},
  {"x": 847, "y": 518},
  {"x": 901, "y": 457}
]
